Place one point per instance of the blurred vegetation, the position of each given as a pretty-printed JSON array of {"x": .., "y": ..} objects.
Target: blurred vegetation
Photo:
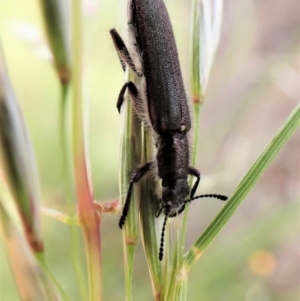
[{"x": 253, "y": 87}]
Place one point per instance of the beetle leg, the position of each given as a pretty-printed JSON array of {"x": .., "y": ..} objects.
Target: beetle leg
[
  {"x": 135, "y": 177},
  {"x": 194, "y": 172},
  {"x": 133, "y": 93},
  {"x": 123, "y": 52},
  {"x": 114, "y": 34},
  {"x": 121, "y": 97}
]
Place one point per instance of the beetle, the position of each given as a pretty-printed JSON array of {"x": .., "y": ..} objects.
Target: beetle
[{"x": 159, "y": 99}]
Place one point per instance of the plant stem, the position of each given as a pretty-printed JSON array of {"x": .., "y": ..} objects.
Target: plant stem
[
  {"x": 150, "y": 224},
  {"x": 197, "y": 102},
  {"x": 195, "y": 56},
  {"x": 90, "y": 221},
  {"x": 68, "y": 181}
]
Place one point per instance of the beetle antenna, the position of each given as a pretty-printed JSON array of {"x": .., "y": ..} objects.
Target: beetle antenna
[
  {"x": 159, "y": 211},
  {"x": 162, "y": 239},
  {"x": 215, "y": 196}
]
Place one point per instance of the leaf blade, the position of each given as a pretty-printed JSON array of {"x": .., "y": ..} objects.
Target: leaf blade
[{"x": 242, "y": 190}]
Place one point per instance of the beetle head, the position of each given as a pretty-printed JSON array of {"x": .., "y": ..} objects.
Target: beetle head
[{"x": 173, "y": 198}]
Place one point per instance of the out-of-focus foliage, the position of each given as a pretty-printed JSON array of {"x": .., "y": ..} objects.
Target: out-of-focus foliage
[
  {"x": 253, "y": 86},
  {"x": 17, "y": 161}
]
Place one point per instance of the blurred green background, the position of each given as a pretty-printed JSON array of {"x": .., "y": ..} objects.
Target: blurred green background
[{"x": 253, "y": 87}]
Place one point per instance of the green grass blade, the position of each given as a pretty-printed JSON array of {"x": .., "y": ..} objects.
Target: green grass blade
[
  {"x": 150, "y": 224},
  {"x": 243, "y": 189},
  {"x": 130, "y": 146},
  {"x": 18, "y": 161}
]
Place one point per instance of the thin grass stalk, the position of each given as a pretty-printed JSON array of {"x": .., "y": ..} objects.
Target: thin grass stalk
[
  {"x": 130, "y": 155},
  {"x": 195, "y": 58},
  {"x": 166, "y": 269},
  {"x": 59, "y": 216},
  {"x": 248, "y": 182},
  {"x": 181, "y": 290},
  {"x": 197, "y": 109},
  {"x": 149, "y": 223},
  {"x": 66, "y": 164},
  {"x": 206, "y": 27},
  {"x": 172, "y": 273},
  {"x": 68, "y": 184},
  {"x": 197, "y": 100},
  {"x": 55, "y": 15},
  {"x": 175, "y": 291},
  {"x": 89, "y": 219}
]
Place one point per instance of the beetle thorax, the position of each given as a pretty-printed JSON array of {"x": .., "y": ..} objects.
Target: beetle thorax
[{"x": 172, "y": 163}]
